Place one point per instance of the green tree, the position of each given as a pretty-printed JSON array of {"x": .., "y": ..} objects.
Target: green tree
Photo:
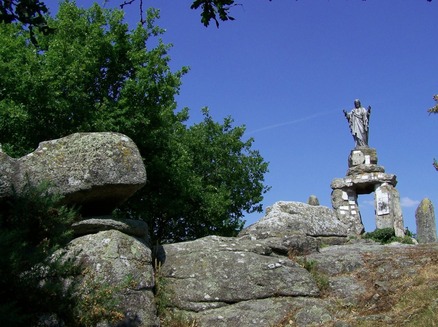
[
  {"x": 32, "y": 227},
  {"x": 218, "y": 177},
  {"x": 93, "y": 74},
  {"x": 31, "y": 12}
]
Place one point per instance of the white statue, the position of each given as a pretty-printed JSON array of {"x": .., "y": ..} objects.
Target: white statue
[{"x": 358, "y": 119}]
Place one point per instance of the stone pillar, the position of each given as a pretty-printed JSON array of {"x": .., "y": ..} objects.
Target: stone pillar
[
  {"x": 426, "y": 225},
  {"x": 344, "y": 201},
  {"x": 388, "y": 209}
]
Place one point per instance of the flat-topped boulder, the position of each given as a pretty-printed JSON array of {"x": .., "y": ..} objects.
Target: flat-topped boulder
[
  {"x": 287, "y": 218},
  {"x": 96, "y": 171}
]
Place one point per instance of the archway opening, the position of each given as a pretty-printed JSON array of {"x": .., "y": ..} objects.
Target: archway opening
[{"x": 367, "y": 211}]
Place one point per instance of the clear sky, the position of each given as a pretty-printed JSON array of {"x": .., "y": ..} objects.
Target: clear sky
[{"x": 286, "y": 69}]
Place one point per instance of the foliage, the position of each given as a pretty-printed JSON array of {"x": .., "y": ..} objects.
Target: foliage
[
  {"x": 386, "y": 236},
  {"x": 28, "y": 12},
  {"x": 96, "y": 301},
  {"x": 434, "y": 109},
  {"x": 321, "y": 279},
  {"x": 216, "y": 177},
  {"x": 163, "y": 297},
  {"x": 93, "y": 74},
  {"x": 32, "y": 227},
  {"x": 31, "y": 12}
]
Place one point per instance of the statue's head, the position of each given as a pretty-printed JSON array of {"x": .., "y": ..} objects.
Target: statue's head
[{"x": 357, "y": 103}]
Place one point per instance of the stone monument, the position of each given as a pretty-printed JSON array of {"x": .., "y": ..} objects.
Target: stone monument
[
  {"x": 365, "y": 176},
  {"x": 426, "y": 225}
]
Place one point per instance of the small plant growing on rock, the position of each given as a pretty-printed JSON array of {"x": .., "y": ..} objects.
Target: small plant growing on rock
[
  {"x": 96, "y": 303},
  {"x": 320, "y": 278}
]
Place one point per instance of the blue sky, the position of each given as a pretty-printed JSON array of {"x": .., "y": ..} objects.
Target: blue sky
[{"x": 286, "y": 69}]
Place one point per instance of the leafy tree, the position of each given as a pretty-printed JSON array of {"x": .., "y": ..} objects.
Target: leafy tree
[
  {"x": 218, "y": 177},
  {"x": 92, "y": 74},
  {"x": 32, "y": 227},
  {"x": 31, "y": 12},
  {"x": 28, "y": 12}
]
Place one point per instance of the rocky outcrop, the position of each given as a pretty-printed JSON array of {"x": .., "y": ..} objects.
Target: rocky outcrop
[
  {"x": 218, "y": 281},
  {"x": 295, "y": 267},
  {"x": 222, "y": 281},
  {"x": 97, "y": 171}
]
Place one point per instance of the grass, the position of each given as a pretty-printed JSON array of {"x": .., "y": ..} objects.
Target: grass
[
  {"x": 409, "y": 300},
  {"x": 321, "y": 279}
]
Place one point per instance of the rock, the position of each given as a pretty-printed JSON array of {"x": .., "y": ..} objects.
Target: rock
[
  {"x": 125, "y": 263},
  {"x": 215, "y": 276},
  {"x": 288, "y": 218},
  {"x": 225, "y": 281},
  {"x": 313, "y": 200},
  {"x": 363, "y": 183},
  {"x": 362, "y": 156},
  {"x": 364, "y": 176},
  {"x": 364, "y": 169},
  {"x": 131, "y": 227},
  {"x": 426, "y": 224},
  {"x": 264, "y": 312},
  {"x": 8, "y": 169},
  {"x": 97, "y": 171}
]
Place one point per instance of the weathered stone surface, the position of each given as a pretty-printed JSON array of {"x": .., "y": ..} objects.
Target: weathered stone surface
[
  {"x": 112, "y": 258},
  {"x": 363, "y": 183},
  {"x": 97, "y": 171},
  {"x": 426, "y": 224},
  {"x": 313, "y": 200},
  {"x": 364, "y": 176},
  {"x": 286, "y": 218},
  {"x": 362, "y": 156},
  {"x": 131, "y": 227},
  {"x": 388, "y": 209},
  {"x": 344, "y": 203},
  {"x": 218, "y": 281},
  {"x": 225, "y": 277},
  {"x": 265, "y": 312},
  {"x": 8, "y": 168},
  {"x": 364, "y": 169}
]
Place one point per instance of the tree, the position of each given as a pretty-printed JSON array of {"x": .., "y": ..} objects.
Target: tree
[
  {"x": 33, "y": 226},
  {"x": 31, "y": 12},
  {"x": 92, "y": 74},
  {"x": 218, "y": 177}
]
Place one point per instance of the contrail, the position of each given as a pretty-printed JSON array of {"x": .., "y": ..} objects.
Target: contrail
[{"x": 319, "y": 114}]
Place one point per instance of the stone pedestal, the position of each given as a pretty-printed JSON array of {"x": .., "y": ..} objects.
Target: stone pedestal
[{"x": 364, "y": 176}]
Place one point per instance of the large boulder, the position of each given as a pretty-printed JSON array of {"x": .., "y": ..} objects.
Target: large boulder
[
  {"x": 287, "y": 218},
  {"x": 221, "y": 281},
  {"x": 97, "y": 171},
  {"x": 124, "y": 264}
]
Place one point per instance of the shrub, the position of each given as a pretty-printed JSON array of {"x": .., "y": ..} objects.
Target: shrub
[
  {"x": 33, "y": 226},
  {"x": 386, "y": 236}
]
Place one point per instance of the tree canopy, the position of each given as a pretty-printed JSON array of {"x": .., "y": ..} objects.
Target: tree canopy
[
  {"x": 93, "y": 74},
  {"x": 32, "y": 12}
]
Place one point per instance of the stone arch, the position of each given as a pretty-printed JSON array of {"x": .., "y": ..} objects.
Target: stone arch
[{"x": 364, "y": 176}]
